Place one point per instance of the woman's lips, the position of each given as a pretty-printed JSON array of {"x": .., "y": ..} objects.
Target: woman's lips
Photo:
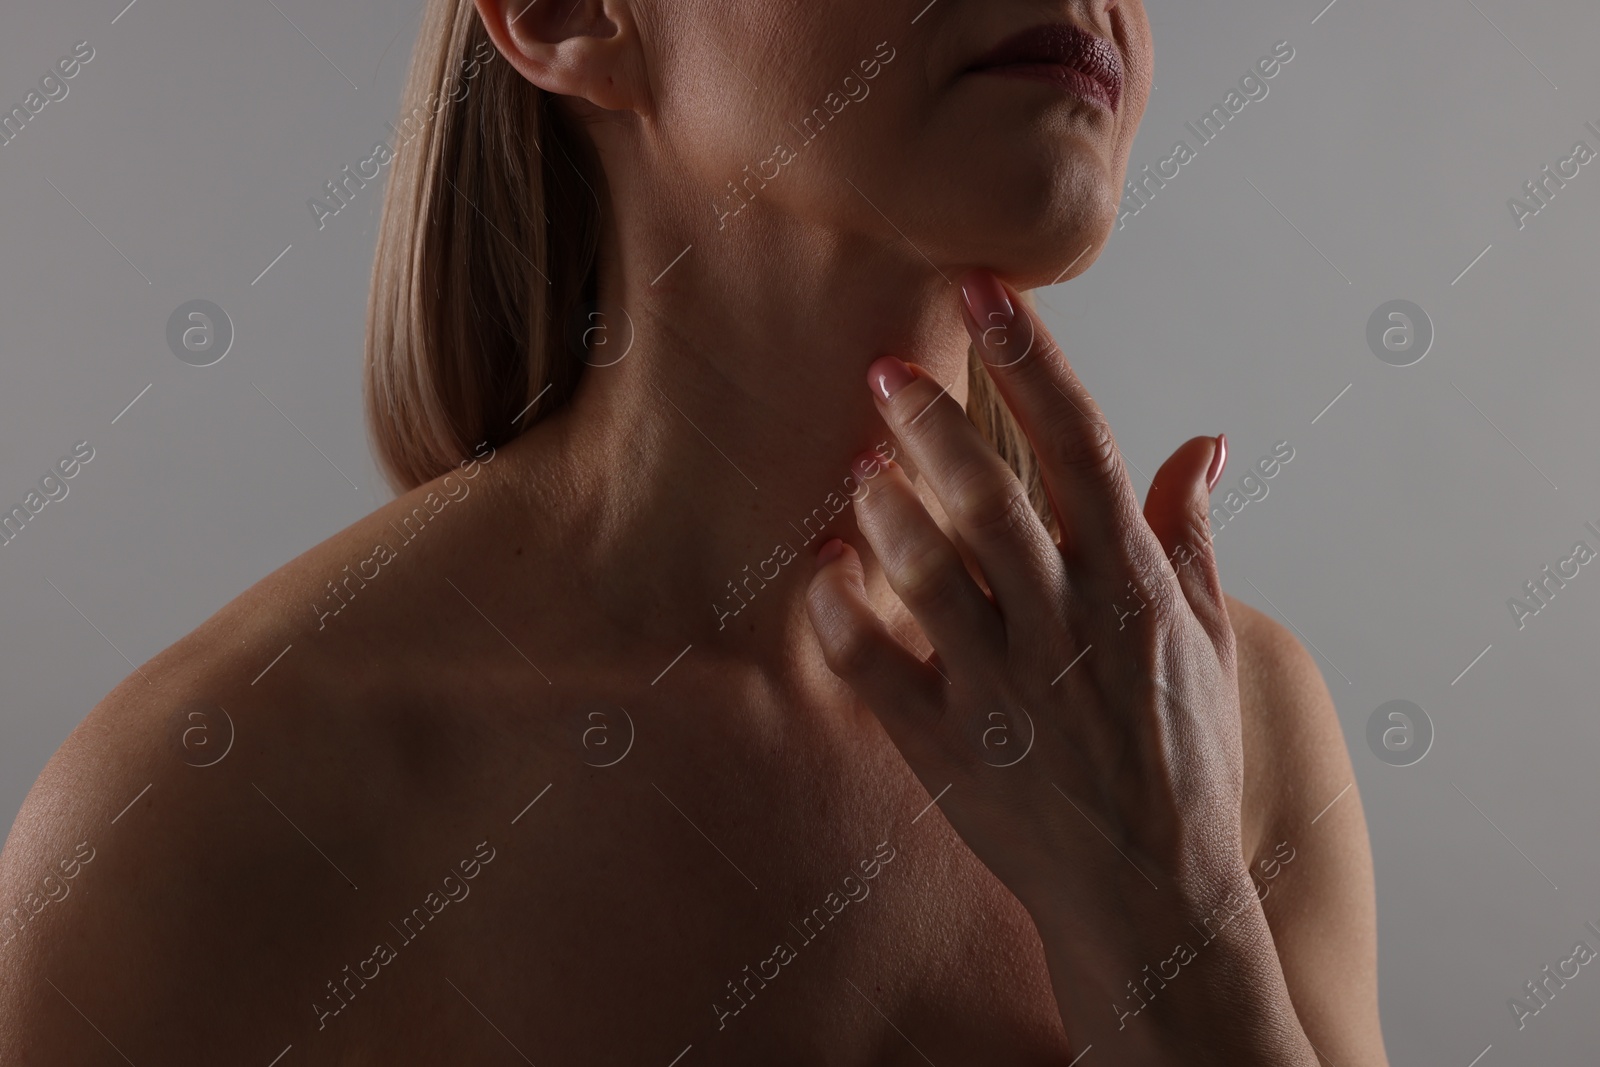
[{"x": 1064, "y": 56}]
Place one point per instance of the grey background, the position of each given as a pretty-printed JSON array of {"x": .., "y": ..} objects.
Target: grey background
[{"x": 1412, "y": 509}]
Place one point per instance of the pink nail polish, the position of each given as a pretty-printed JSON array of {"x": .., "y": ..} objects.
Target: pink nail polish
[
  {"x": 888, "y": 376},
  {"x": 987, "y": 300},
  {"x": 1219, "y": 459}
]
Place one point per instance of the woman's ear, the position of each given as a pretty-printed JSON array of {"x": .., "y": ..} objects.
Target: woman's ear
[{"x": 584, "y": 49}]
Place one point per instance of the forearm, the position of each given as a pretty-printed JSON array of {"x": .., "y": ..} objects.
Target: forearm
[{"x": 1197, "y": 981}]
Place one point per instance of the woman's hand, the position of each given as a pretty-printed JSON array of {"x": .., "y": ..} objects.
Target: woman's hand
[{"x": 1084, "y": 711}]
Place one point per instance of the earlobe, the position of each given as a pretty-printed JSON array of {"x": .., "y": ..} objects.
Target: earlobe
[{"x": 585, "y": 50}]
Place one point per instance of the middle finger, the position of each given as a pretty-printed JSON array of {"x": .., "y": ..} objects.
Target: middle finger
[
  {"x": 987, "y": 504},
  {"x": 1080, "y": 463}
]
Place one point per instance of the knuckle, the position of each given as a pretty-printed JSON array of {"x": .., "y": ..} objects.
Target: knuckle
[
  {"x": 1133, "y": 550},
  {"x": 1195, "y": 547},
  {"x": 1167, "y": 603},
  {"x": 1086, "y": 446},
  {"x": 1202, "y": 567},
  {"x": 919, "y": 415},
  {"x": 1192, "y": 556},
  {"x": 1197, "y": 531},
  {"x": 1144, "y": 605},
  {"x": 929, "y": 577},
  {"x": 991, "y": 507},
  {"x": 1194, "y": 561},
  {"x": 851, "y": 652}
]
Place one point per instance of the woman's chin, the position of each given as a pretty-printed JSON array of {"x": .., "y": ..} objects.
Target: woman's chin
[
  {"x": 1049, "y": 255},
  {"x": 1046, "y": 239}
]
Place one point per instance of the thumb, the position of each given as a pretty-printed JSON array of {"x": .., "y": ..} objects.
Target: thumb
[{"x": 1177, "y": 509}]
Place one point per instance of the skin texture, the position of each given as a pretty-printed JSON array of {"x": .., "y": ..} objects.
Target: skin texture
[{"x": 584, "y": 569}]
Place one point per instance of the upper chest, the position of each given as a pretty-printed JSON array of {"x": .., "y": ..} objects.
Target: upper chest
[{"x": 668, "y": 876}]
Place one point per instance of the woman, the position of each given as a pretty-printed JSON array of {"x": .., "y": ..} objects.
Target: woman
[{"x": 767, "y": 660}]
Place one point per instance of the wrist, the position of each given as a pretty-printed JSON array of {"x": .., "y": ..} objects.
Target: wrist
[
  {"x": 1228, "y": 1004},
  {"x": 1194, "y": 980}
]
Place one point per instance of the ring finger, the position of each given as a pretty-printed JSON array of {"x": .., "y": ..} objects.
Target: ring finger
[{"x": 922, "y": 566}]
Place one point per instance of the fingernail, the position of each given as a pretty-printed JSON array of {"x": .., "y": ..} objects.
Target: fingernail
[
  {"x": 1219, "y": 459},
  {"x": 830, "y": 552},
  {"x": 987, "y": 300},
  {"x": 888, "y": 376}
]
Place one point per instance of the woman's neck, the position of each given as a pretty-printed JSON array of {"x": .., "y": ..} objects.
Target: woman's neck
[{"x": 709, "y": 464}]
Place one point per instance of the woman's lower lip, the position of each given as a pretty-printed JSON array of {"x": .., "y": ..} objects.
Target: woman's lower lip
[{"x": 1073, "y": 81}]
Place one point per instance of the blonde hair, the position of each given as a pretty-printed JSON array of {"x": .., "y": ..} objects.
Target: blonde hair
[{"x": 487, "y": 251}]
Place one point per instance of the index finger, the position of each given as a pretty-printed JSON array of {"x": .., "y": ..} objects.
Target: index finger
[{"x": 1079, "y": 461}]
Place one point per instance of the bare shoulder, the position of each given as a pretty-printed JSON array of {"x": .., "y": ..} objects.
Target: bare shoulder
[
  {"x": 206, "y": 830},
  {"x": 128, "y": 865},
  {"x": 1306, "y": 837},
  {"x": 1295, "y": 755},
  {"x": 128, "y": 856},
  {"x": 1298, "y": 777}
]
